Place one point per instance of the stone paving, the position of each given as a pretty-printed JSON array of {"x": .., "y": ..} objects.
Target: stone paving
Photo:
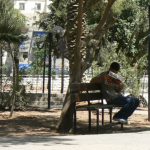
[{"x": 119, "y": 141}]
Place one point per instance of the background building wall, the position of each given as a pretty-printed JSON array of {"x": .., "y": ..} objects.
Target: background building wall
[{"x": 30, "y": 9}]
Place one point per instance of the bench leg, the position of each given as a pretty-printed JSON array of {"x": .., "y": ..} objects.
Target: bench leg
[
  {"x": 121, "y": 126},
  {"x": 110, "y": 113},
  {"x": 89, "y": 120},
  {"x": 97, "y": 115},
  {"x": 75, "y": 122},
  {"x": 102, "y": 116}
]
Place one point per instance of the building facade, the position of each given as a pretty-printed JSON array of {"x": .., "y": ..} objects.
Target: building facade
[{"x": 30, "y": 9}]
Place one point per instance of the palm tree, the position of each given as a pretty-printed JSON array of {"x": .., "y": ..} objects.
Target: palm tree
[{"x": 11, "y": 27}]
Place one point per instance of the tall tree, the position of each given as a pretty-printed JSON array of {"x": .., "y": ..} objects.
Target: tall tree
[
  {"x": 77, "y": 50},
  {"x": 76, "y": 47},
  {"x": 12, "y": 27}
]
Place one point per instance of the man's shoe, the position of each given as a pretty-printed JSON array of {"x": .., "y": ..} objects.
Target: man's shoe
[
  {"x": 121, "y": 120},
  {"x": 124, "y": 121}
]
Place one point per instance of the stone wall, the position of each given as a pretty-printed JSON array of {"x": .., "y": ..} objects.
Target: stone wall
[{"x": 39, "y": 99}]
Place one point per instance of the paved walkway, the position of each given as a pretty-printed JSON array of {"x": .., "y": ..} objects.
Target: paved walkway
[
  {"x": 119, "y": 141},
  {"x": 115, "y": 141}
]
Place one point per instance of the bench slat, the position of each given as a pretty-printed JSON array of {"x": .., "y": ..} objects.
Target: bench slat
[
  {"x": 95, "y": 106},
  {"x": 75, "y": 87},
  {"x": 90, "y": 96}
]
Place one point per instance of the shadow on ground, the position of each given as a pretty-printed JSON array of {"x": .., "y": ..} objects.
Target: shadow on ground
[
  {"x": 43, "y": 123},
  {"x": 25, "y": 140},
  {"x": 29, "y": 123}
]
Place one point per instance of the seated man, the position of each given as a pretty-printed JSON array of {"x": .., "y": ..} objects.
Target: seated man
[{"x": 112, "y": 87}]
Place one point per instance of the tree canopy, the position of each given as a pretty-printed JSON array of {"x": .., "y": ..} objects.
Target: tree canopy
[{"x": 12, "y": 22}]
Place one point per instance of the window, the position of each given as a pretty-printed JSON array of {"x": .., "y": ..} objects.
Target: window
[
  {"x": 22, "y": 6},
  {"x": 38, "y": 6}
]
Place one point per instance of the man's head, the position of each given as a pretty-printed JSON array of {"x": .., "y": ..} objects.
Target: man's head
[{"x": 114, "y": 67}]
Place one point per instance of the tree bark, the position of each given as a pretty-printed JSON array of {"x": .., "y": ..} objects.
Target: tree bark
[
  {"x": 104, "y": 18},
  {"x": 15, "y": 80},
  {"x": 1, "y": 64},
  {"x": 149, "y": 68},
  {"x": 66, "y": 119}
]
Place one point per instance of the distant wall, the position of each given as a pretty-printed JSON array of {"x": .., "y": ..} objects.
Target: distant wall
[{"x": 40, "y": 100}]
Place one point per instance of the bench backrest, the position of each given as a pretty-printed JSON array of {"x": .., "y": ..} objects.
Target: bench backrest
[{"x": 86, "y": 91}]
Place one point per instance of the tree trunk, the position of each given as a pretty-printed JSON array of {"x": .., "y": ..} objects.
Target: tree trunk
[
  {"x": 104, "y": 18},
  {"x": 15, "y": 81},
  {"x": 66, "y": 119},
  {"x": 62, "y": 72},
  {"x": 149, "y": 69},
  {"x": 1, "y": 70}
]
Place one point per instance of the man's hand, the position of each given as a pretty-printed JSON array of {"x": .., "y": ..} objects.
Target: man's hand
[{"x": 120, "y": 87}]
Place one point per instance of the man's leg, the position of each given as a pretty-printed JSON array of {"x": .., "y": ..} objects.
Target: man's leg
[{"x": 129, "y": 104}]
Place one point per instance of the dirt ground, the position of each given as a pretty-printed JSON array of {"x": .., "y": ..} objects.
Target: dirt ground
[{"x": 43, "y": 122}]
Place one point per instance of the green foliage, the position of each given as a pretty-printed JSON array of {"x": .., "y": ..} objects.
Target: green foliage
[
  {"x": 37, "y": 64},
  {"x": 12, "y": 22},
  {"x": 94, "y": 11},
  {"x": 143, "y": 3},
  {"x": 57, "y": 15},
  {"x": 131, "y": 29},
  {"x": 118, "y": 7}
]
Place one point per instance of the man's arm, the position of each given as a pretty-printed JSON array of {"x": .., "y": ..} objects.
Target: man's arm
[
  {"x": 112, "y": 83},
  {"x": 120, "y": 87},
  {"x": 97, "y": 79}
]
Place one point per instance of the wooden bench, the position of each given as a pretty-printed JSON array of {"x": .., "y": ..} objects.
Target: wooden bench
[{"x": 88, "y": 97}]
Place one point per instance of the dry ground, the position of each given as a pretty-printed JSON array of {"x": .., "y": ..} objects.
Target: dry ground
[{"x": 43, "y": 122}]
